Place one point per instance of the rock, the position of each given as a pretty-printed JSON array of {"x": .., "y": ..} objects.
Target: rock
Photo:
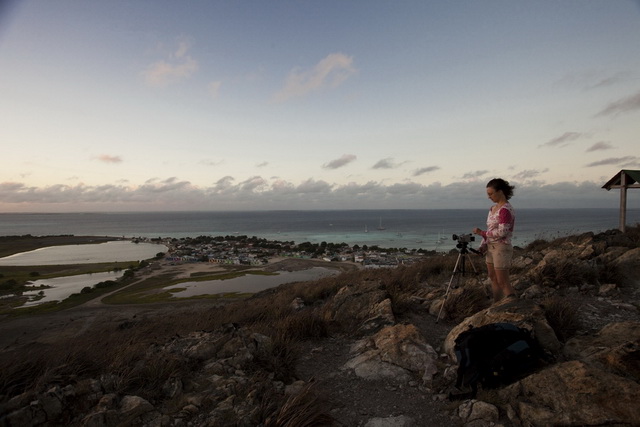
[
  {"x": 533, "y": 291},
  {"x": 297, "y": 304},
  {"x": 615, "y": 348},
  {"x": 354, "y": 304},
  {"x": 573, "y": 393},
  {"x": 131, "y": 407},
  {"x": 607, "y": 289},
  {"x": 478, "y": 411},
  {"x": 404, "y": 345},
  {"x": 381, "y": 316},
  {"x": 400, "y": 421},
  {"x": 394, "y": 353}
]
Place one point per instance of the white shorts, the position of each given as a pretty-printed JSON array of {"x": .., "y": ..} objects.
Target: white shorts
[{"x": 499, "y": 255}]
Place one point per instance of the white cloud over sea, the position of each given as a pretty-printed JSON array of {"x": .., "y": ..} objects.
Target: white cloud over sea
[{"x": 257, "y": 193}]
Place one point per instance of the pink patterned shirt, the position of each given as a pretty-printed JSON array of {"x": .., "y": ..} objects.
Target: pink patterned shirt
[{"x": 500, "y": 225}]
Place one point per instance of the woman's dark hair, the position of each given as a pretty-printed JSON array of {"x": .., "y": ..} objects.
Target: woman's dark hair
[{"x": 500, "y": 184}]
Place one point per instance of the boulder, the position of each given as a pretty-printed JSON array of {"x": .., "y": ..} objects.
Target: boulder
[
  {"x": 478, "y": 412},
  {"x": 615, "y": 348},
  {"x": 361, "y": 306},
  {"x": 572, "y": 393},
  {"x": 396, "y": 352}
]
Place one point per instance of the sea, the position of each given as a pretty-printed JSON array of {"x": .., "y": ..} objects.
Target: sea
[{"x": 397, "y": 228}]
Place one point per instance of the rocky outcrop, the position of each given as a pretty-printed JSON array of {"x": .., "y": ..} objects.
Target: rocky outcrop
[
  {"x": 398, "y": 353},
  {"x": 221, "y": 391},
  {"x": 364, "y": 308},
  {"x": 572, "y": 393}
]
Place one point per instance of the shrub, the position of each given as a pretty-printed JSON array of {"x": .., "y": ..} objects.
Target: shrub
[
  {"x": 302, "y": 409},
  {"x": 565, "y": 273},
  {"x": 562, "y": 317},
  {"x": 537, "y": 245},
  {"x": 465, "y": 302}
]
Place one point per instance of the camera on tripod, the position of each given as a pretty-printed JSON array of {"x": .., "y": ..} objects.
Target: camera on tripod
[{"x": 464, "y": 238}]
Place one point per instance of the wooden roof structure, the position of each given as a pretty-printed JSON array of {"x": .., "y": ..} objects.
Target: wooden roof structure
[{"x": 623, "y": 180}]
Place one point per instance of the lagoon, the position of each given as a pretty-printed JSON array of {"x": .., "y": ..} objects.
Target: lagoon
[
  {"x": 114, "y": 251},
  {"x": 62, "y": 287},
  {"x": 248, "y": 284}
]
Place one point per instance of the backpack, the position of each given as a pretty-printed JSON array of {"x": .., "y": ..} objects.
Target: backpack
[{"x": 493, "y": 355}]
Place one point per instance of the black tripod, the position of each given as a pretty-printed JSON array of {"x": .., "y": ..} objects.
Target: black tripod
[{"x": 464, "y": 249}]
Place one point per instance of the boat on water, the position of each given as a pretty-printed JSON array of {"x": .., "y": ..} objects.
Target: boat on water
[{"x": 380, "y": 227}]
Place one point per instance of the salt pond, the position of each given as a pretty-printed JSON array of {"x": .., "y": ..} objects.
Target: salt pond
[
  {"x": 63, "y": 287},
  {"x": 249, "y": 283},
  {"x": 114, "y": 251}
]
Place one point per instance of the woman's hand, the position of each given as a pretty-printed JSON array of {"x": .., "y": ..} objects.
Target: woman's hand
[{"x": 477, "y": 231}]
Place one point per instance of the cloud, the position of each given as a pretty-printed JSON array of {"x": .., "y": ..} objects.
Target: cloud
[
  {"x": 109, "y": 159},
  {"x": 602, "y": 145},
  {"x": 214, "y": 88},
  {"x": 256, "y": 193},
  {"x": 606, "y": 82},
  {"x": 177, "y": 67},
  {"x": 387, "y": 163},
  {"x": 342, "y": 161},
  {"x": 252, "y": 184},
  {"x": 624, "y": 105},
  {"x": 621, "y": 161},
  {"x": 167, "y": 185},
  {"x": 528, "y": 174},
  {"x": 262, "y": 164},
  {"x": 330, "y": 72},
  {"x": 475, "y": 174},
  {"x": 562, "y": 140},
  {"x": 422, "y": 171},
  {"x": 209, "y": 162}
]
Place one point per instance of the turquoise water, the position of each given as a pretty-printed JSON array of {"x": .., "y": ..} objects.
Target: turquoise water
[{"x": 401, "y": 228}]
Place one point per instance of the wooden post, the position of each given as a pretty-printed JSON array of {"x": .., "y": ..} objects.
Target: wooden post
[{"x": 623, "y": 201}]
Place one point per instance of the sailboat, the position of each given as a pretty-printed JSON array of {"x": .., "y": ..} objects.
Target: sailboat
[
  {"x": 365, "y": 229},
  {"x": 380, "y": 227}
]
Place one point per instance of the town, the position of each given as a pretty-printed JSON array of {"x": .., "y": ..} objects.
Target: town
[{"x": 244, "y": 250}]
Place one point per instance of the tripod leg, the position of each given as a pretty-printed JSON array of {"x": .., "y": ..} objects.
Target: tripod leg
[{"x": 446, "y": 293}]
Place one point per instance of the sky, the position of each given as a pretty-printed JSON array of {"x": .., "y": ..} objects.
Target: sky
[{"x": 152, "y": 105}]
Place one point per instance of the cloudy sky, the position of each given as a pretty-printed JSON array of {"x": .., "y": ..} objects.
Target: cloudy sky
[{"x": 223, "y": 105}]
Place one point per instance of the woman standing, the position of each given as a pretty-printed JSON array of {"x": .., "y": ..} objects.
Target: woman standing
[{"x": 496, "y": 240}]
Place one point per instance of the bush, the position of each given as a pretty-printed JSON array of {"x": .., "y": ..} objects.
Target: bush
[
  {"x": 562, "y": 316},
  {"x": 566, "y": 273},
  {"x": 302, "y": 409},
  {"x": 464, "y": 302}
]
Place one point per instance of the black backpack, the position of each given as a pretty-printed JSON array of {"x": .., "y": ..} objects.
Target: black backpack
[{"x": 493, "y": 355}]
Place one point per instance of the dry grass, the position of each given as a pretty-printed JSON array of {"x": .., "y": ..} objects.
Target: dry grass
[
  {"x": 562, "y": 317},
  {"x": 464, "y": 303},
  {"x": 302, "y": 409},
  {"x": 566, "y": 273}
]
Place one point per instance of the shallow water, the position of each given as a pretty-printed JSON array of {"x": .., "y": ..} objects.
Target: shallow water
[
  {"x": 250, "y": 283},
  {"x": 114, "y": 251},
  {"x": 63, "y": 287}
]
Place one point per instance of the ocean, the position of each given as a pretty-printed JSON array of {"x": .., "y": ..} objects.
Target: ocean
[{"x": 411, "y": 229}]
